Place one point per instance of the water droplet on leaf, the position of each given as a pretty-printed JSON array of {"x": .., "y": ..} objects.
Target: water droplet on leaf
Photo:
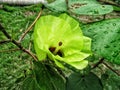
[
  {"x": 114, "y": 54},
  {"x": 118, "y": 31},
  {"x": 106, "y": 32},
  {"x": 112, "y": 41},
  {"x": 96, "y": 12},
  {"x": 114, "y": 24},
  {"x": 107, "y": 46},
  {"x": 103, "y": 6}
]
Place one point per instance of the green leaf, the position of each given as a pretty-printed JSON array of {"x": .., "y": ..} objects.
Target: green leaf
[
  {"x": 76, "y": 81},
  {"x": 44, "y": 77},
  {"x": 30, "y": 83},
  {"x": 57, "y": 6},
  {"x": 48, "y": 78},
  {"x": 106, "y": 39},
  {"x": 89, "y": 7},
  {"x": 116, "y": 8},
  {"x": 73, "y": 3}
]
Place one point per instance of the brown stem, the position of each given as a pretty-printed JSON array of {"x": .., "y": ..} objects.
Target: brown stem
[
  {"x": 10, "y": 50},
  {"x": 5, "y": 41},
  {"x": 111, "y": 68},
  {"x": 5, "y": 33},
  {"x": 30, "y": 27},
  {"x": 98, "y": 63},
  {"x": 110, "y": 2},
  {"x": 31, "y": 54},
  {"x": 17, "y": 43},
  {"x": 30, "y": 44},
  {"x": 67, "y": 4}
]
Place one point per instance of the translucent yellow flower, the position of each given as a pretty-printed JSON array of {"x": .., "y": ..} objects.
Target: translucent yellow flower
[{"x": 61, "y": 39}]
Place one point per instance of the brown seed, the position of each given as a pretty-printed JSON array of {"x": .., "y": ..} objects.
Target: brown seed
[
  {"x": 59, "y": 53},
  {"x": 60, "y": 43},
  {"x": 52, "y": 49}
]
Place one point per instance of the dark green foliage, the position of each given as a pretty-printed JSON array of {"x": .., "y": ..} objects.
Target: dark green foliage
[
  {"x": 14, "y": 65},
  {"x": 12, "y": 69},
  {"x": 30, "y": 83},
  {"x": 76, "y": 81},
  {"x": 50, "y": 79},
  {"x": 18, "y": 17},
  {"x": 116, "y": 8},
  {"x": 44, "y": 78},
  {"x": 117, "y": 1},
  {"x": 110, "y": 81}
]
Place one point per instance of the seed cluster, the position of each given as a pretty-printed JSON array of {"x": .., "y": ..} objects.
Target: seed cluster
[{"x": 55, "y": 50}]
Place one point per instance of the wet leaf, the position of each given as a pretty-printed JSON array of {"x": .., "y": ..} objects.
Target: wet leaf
[
  {"x": 57, "y": 6},
  {"x": 77, "y": 81},
  {"x": 89, "y": 7},
  {"x": 106, "y": 39}
]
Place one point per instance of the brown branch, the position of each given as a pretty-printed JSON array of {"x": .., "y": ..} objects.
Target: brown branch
[
  {"x": 17, "y": 43},
  {"x": 31, "y": 54},
  {"x": 10, "y": 50},
  {"x": 111, "y": 68},
  {"x": 30, "y": 27},
  {"x": 109, "y": 2},
  {"x": 67, "y": 4},
  {"x": 98, "y": 63},
  {"x": 30, "y": 44},
  {"x": 5, "y": 33},
  {"x": 5, "y": 41}
]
